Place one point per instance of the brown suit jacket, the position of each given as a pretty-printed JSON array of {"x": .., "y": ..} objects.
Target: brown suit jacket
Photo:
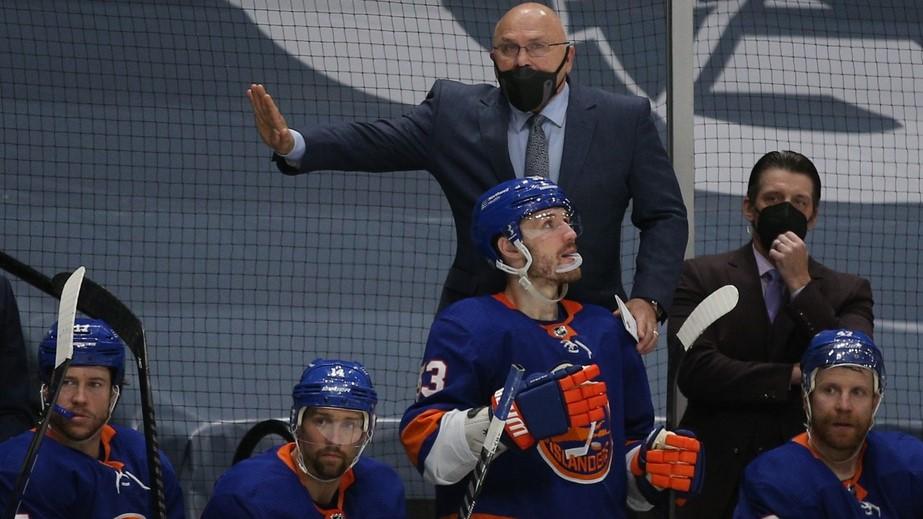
[{"x": 736, "y": 375}]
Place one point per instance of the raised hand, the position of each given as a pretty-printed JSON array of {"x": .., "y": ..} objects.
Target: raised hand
[{"x": 269, "y": 120}]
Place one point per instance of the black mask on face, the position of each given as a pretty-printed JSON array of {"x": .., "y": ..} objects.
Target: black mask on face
[
  {"x": 778, "y": 219},
  {"x": 527, "y": 88}
]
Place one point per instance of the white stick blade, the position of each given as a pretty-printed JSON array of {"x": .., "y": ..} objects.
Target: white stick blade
[
  {"x": 67, "y": 312},
  {"x": 712, "y": 308}
]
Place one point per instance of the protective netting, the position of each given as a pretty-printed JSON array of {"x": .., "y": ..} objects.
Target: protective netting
[
  {"x": 128, "y": 146},
  {"x": 838, "y": 82}
]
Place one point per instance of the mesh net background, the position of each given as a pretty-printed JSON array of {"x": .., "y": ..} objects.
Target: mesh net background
[{"x": 128, "y": 146}]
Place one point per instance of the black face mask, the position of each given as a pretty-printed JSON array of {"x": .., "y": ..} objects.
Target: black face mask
[
  {"x": 778, "y": 219},
  {"x": 526, "y": 88}
]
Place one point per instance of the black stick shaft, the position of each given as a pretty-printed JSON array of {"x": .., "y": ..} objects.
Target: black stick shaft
[
  {"x": 155, "y": 471},
  {"x": 490, "y": 442}
]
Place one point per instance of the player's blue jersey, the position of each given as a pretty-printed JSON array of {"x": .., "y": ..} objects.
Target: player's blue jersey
[
  {"x": 791, "y": 482},
  {"x": 268, "y": 486},
  {"x": 68, "y": 484},
  {"x": 468, "y": 355}
]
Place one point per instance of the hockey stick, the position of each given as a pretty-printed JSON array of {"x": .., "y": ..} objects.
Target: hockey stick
[
  {"x": 64, "y": 351},
  {"x": 491, "y": 441},
  {"x": 715, "y": 306},
  {"x": 97, "y": 302},
  {"x": 712, "y": 308},
  {"x": 256, "y": 434}
]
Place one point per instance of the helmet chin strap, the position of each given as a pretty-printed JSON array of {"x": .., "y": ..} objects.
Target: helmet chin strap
[
  {"x": 523, "y": 273},
  {"x": 299, "y": 460}
]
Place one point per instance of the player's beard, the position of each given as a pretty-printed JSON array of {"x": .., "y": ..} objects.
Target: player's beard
[
  {"x": 83, "y": 426},
  {"x": 544, "y": 267},
  {"x": 328, "y": 462},
  {"x": 842, "y": 440}
]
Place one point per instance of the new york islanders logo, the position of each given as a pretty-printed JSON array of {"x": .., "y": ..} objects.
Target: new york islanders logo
[{"x": 582, "y": 454}]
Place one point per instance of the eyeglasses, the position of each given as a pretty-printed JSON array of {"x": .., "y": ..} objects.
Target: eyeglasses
[{"x": 534, "y": 49}]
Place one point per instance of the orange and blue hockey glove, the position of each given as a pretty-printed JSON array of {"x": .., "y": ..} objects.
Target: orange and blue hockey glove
[
  {"x": 669, "y": 461},
  {"x": 548, "y": 404}
]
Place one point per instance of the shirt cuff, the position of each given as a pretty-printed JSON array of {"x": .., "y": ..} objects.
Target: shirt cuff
[{"x": 293, "y": 158}]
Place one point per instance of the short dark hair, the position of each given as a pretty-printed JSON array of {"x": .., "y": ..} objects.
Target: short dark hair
[{"x": 789, "y": 161}]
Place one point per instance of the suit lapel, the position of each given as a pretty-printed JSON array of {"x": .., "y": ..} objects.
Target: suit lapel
[
  {"x": 493, "y": 120},
  {"x": 743, "y": 274},
  {"x": 578, "y": 134}
]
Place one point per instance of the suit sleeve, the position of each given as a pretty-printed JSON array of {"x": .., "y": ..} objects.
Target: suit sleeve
[
  {"x": 659, "y": 214},
  {"x": 709, "y": 375},
  {"x": 813, "y": 312},
  {"x": 639, "y": 412},
  {"x": 16, "y": 413},
  {"x": 398, "y": 144}
]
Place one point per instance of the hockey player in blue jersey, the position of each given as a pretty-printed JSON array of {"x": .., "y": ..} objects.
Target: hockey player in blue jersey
[
  {"x": 839, "y": 468},
  {"x": 584, "y": 398},
  {"x": 86, "y": 467},
  {"x": 321, "y": 474}
]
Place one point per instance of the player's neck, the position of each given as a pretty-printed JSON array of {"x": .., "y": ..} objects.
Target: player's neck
[
  {"x": 538, "y": 309},
  {"x": 841, "y": 462}
]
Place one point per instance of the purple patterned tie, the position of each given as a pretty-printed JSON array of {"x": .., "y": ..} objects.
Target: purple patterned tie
[
  {"x": 773, "y": 293},
  {"x": 537, "y": 148}
]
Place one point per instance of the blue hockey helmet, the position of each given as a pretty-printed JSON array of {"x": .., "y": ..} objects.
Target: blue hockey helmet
[
  {"x": 831, "y": 348},
  {"x": 499, "y": 210},
  {"x": 335, "y": 383},
  {"x": 95, "y": 344}
]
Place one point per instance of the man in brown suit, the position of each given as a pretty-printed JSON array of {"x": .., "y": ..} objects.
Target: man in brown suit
[{"x": 742, "y": 377}]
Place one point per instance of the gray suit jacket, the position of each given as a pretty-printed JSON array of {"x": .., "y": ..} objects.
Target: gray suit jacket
[
  {"x": 736, "y": 375},
  {"x": 612, "y": 154}
]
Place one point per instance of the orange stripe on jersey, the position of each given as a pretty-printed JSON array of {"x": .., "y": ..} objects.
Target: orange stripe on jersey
[
  {"x": 562, "y": 330},
  {"x": 500, "y": 296},
  {"x": 105, "y": 437},
  {"x": 286, "y": 454},
  {"x": 559, "y": 330},
  {"x": 849, "y": 484},
  {"x": 418, "y": 430}
]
